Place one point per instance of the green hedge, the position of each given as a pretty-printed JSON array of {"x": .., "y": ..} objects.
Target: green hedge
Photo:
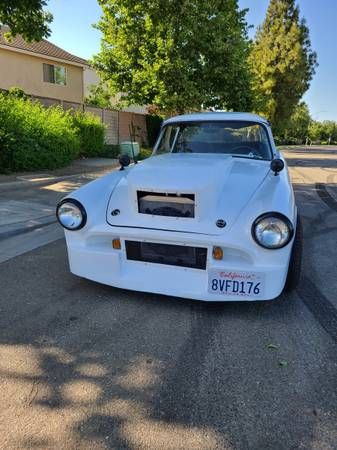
[
  {"x": 33, "y": 137},
  {"x": 111, "y": 151},
  {"x": 91, "y": 133},
  {"x": 144, "y": 153}
]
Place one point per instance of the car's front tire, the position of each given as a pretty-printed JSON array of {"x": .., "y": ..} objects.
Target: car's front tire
[{"x": 294, "y": 269}]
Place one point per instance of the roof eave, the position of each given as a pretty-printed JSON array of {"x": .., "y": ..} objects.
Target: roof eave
[{"x": 42, "y": 55}]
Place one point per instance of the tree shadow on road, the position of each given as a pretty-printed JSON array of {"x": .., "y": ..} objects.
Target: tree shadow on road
[{"x": 88, "y": 366}]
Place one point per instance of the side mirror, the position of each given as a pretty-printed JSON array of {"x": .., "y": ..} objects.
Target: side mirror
[
  {"x": 276, "y": 165},
  {"x": 124, "y": 161}
]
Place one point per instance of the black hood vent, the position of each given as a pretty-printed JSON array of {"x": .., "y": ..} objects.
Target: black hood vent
[{"x": 166, "y": 204}]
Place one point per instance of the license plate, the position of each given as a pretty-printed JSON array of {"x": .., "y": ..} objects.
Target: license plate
[{"x": 232, "y": 283}]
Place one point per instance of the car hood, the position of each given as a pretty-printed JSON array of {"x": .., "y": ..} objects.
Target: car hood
[{"x": 222, "y": 186}]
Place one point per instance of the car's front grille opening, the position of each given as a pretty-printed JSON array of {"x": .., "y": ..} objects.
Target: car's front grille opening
[
  {"x": 166, "y": 204},
  {"x": 172, "y": 255}
]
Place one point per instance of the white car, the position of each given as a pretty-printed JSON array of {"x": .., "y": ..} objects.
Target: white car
[{"x": 209, "y": 216}]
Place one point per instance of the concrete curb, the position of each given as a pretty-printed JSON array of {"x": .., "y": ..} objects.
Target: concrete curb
[
  {"x": 12, "y": 185},
  {"x": 16, "y": 229}
]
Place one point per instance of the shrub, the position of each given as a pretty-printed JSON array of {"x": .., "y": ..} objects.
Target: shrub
[
  {"x": 98, "y": 96},
  {"x": 111, "y": 151},
  {"x": 32, "y": 137},
  {"x": 17, "y": 92},
  {"x": 91, "y": 133},
  {"x": 144, "y": 153}
]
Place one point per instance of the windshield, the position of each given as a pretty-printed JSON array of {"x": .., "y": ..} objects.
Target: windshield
[{"x": 236, "y": 138}]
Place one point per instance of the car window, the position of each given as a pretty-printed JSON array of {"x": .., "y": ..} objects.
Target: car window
[
  {"x": 168, "y": 140},
  {"x": 236, "y": 138}
]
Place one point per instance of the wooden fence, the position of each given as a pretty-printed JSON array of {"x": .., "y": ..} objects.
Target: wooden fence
[{"x": 117, "y": 123}]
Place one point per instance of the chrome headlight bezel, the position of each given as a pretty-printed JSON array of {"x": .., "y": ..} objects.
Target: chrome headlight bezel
[
  {"x": 277, "y": 217},
  {"x": 75, "y": 203}
]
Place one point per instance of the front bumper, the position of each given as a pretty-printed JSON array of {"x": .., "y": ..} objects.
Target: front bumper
[{"x": 91, "y": 256}]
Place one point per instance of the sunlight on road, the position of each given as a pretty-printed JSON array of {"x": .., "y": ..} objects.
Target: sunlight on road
[
  {"x": 61, "y": 393},
  {"x": 311, "y": 175},
  {"x": 141, "y": 374},
  {"x": 145, "y": 433},
  {"x": 310, "y": 167},
  {"x": 62, "y": 186}
]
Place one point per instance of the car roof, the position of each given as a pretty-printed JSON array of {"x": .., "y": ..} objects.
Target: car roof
[{"x": 217, "y": 116}]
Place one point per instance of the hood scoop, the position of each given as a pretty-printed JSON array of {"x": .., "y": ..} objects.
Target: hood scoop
[
  {"x": 185, "y": 192},
  {"x": 166, "y": 204}
]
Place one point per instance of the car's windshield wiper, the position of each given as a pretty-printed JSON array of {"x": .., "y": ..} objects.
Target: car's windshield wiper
[{"x": 246, "y": 157}]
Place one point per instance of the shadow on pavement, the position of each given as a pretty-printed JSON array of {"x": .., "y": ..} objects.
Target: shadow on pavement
[
  {"x": 312, "y": 162},
  {"x": 97, "y": 367}
]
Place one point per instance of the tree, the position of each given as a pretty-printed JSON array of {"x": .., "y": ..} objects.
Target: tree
[
  {"x": 26, "y": 17},
  {"x": 177, "y": 55},
  {"x": 323, "y": 132},
  {"x": 315, "y": 131},
  {"x": 99, "y": 96},
  {"x": 298, "y": 126},
  {"x": 329, "y": 131},
  {"x": 282, "y": 62}
]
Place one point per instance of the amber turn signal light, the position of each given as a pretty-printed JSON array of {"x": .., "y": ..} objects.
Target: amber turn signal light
[
  {"x": 116, "y": 244},
  {"x": 217, "y": 253}
]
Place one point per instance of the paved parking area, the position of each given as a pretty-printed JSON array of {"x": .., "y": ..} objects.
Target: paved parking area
[{"x": 86, "y": 366}]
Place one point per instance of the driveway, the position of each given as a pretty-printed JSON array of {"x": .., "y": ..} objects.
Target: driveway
[{"x": 86, "y": 366}]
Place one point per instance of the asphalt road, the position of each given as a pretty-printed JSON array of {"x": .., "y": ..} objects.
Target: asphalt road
[{"x": 85, "y": 366}]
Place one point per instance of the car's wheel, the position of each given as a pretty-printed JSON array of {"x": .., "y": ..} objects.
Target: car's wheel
[{"x": 294, "y": 269}]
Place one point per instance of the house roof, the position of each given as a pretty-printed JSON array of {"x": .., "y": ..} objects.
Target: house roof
[{"x": 43, "y": 47}]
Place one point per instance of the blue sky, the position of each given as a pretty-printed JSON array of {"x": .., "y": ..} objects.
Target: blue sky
[{"x": 72, "y": 30}]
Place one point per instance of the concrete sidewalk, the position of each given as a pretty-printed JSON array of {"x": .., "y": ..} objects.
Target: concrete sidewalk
[
  {"x": 78, "y": 167},
  {"x": 28, "y": 201}
]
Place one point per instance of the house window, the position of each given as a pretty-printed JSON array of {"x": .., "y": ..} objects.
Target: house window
[{"x": 54, "y": 74}]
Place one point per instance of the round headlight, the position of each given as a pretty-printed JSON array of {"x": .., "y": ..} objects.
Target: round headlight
[
  {"x": 71, "y": 214},
  {"x": 272, "y": 230}
]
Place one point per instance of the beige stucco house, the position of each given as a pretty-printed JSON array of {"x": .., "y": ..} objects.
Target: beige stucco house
[
  {"x": 42, "y": 70},
  {"x": 53, "y": 76}
]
